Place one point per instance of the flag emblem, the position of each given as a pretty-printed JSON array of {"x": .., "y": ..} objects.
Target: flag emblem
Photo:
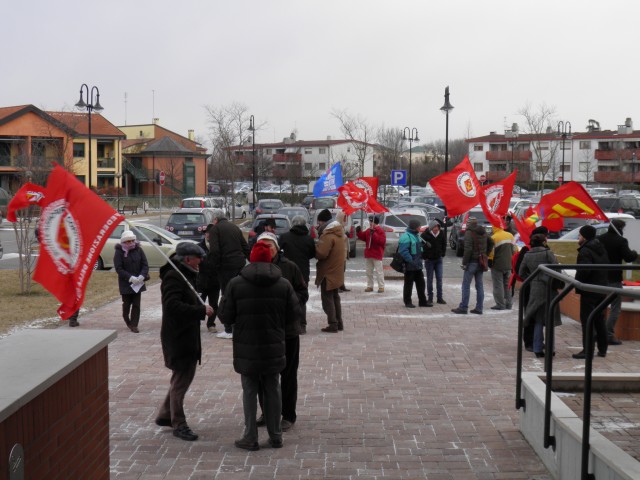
[
  {"x": 466, "y": 185},
  {"x": 60, "y": 236}
]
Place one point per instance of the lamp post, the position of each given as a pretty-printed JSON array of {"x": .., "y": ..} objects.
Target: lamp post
[
  {"x": 90, "y": 106},
  {"x": 514, "y": 144},
  {"x": 118, "y": 177},
  {"x": 634, "y": 158},
  {"x": 413, "y": 137},
  {"x": 446, "y": 108},
  {"x": 252, "y": 129},
  {"x": 564, "y": 132}
]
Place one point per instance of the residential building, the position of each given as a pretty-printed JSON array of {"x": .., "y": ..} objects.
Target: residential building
[
  {"x": 32, "y": 140},
  {"x": 150, "y": 149},
  {"x": 592, "y": 156}
]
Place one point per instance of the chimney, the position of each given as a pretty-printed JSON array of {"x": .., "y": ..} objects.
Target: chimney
[
  {"x": 156, "y": 121},
  {"x": 191, "y": 134},
  {"x": 329, "y": 138}
]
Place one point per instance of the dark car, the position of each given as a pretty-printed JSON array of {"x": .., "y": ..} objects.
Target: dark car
[
  {"x": 459, "y": 228},
  {"x": 292, "y": 212},
  {"x": 622, "y": 204},
  {"x": 321, "y": 203},
  {"x": 268, "y": 205},
  {"x": 189, "y": 222}
]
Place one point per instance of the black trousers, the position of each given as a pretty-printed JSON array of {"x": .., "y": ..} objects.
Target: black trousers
[
  {"x": 224, "y": 277},
  {"x": 213, "y": 295},
  {"x": 173, "y": 405},
  {"x": 588, "y": 303},
  {"x": 411, "y": 277},
  {"x": 131, "y": 308},
  {"x": 288, "y": 381}
]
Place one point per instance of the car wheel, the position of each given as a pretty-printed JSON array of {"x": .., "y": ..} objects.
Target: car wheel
[
  {"x": 460, "y": 249},
  {"x": 244, "y": 215},
  {"x": 99, "y": 265}
]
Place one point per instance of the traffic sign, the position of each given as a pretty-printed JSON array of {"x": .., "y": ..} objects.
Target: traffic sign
[
  {"x": 482, "y": 178},
  {"x": 398, "y": 177},
  {"x": 161, "y": 177}
]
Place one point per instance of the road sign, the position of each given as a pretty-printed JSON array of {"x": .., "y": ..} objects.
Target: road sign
[
  {"x": 482, "y": 178},
  {"x": 398, "y": 177},
  {"x": 161, "y": 177}
]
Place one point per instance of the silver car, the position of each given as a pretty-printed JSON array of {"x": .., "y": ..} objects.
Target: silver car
[{"x": 395, "y": 223}]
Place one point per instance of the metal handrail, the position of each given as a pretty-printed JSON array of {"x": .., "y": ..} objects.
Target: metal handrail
[{"x": 610, "y": 293}]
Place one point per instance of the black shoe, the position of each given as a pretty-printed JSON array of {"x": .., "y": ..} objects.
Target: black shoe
[
  {"x": 74, "y": 323},
  {"x": 459, "y": 311},
  {"x": 163, "y": 422},
  {"x": 425, "y": 304},
  {"x": 602, "y": 354},
  {"x": 329, "y": 329},
  {"x": 580, "y": 355},
  {"x": 441, "y": 301},
  {"x": 340, "y": 327},
  {"x": 260, "y": 422},
  {"x": 495, "y": 307},
  {"x": 614, "y": 341},
  {"x": 303, "y": 330},
  {"x": 409, "y": 305},
  {"x": 286, "y": 425},
  {"x": 528, "y": 348},
  {"x": 247, "y": 445},
  {"x": 477, "y": 312},
  {"x": 185, "y": 433},
  {"x": 275, "y": 443},
  {"x": 539, "y": 354}
]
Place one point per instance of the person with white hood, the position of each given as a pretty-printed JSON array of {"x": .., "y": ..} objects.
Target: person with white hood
[{"x": 132, "y": 268}]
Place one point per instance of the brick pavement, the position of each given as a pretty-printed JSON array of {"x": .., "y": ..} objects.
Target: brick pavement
[{"x": 400, "y": 394}]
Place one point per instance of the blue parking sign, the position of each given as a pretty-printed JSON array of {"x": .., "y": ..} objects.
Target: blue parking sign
[{"x": 398, "y": 177}]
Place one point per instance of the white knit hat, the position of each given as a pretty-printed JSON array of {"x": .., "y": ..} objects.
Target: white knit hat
[
  {"x": 127, "y": 235},
  {"x": 268, "y": 236}
]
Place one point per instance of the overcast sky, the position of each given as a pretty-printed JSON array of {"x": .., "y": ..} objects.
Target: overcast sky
[{"x": 293, "y": 62}]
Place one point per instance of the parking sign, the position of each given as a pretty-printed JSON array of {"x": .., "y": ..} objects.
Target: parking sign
[{"x": 398, "y": 177}]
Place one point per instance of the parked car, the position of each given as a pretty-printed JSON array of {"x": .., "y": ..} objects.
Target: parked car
[
  {"x": 459, "y": 228},
  {"x": 572, "y": 235},
  {"x": 268, "y": 205},
  {"x": 320, "y": 203},
  {"x": 241, "y": 211},
  {"x": 395, "y": 222},
  {"x": 283, "y": 224},
  {"x": 295, "y": 211},
  {"x": 306, "y": 201},
  {"x": 349, "y": 229},
  {"x": 621, "y": 204},
  {"x": 190, "y": 222},
  {"x": 431, "y": 210},
  {"x": 199, "y": 202},
  {"x": 151, "y": 238}
]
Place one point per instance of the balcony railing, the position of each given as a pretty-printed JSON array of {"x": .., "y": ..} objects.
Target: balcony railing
[
  {"x": 287, "y": 158},
  {"x": 505, "y": 155},
  {"x": 496, "y": 176},
  {"x": 626, "y": 154},
  {"x": 617, "y": 177},
  {"x": 106, "y": 163}
]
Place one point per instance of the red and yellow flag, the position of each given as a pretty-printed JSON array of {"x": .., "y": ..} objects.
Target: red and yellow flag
[{"x": 570, "y": 200}]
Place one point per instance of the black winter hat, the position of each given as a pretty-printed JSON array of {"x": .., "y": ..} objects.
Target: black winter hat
[
  {"x": 324, "y": 216},
  {"x": 588, "y": 232}
]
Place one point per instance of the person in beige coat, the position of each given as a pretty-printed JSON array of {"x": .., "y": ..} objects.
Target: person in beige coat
[{"x": 331, "y": 254}]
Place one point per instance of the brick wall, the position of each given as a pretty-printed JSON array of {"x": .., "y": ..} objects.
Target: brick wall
[{"x": 65, "y": 430}]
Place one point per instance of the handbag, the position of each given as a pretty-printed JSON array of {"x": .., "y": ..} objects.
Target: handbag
[{"x": 397, "y": 262}]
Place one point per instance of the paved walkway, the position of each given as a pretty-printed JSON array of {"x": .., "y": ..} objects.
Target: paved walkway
[{"x": 400, "y": 394}]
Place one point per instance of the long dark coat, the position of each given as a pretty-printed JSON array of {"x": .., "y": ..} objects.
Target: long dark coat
[
  {"x": 133, "y": 265},
  {"x": 299, "y": 247}
]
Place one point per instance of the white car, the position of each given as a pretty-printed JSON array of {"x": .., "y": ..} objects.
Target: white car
[{"x": 241, "y": 211}]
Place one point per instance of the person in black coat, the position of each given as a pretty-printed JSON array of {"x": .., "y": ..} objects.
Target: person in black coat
[
  {"x": 434, "y": 248},
  {"x": 618, "y": 250},
  {"x": 208, "y": 284},
  {"x": 182, "y": 310},
  {"x": 132, "y": 268},
  {"x": 591, "y": 251},
  {"x": 262, "y": 306}
]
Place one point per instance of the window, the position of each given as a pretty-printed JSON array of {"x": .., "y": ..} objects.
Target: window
[
  {"x": 268, "y": 151},
  {"x": 543, "y": 145},
  {"x": 585, "y": 145},
  {"x": 308, "y": 151},
  {"x": 478, "y": 167},
  {"x": 478, "y": 147},
  {"x": 322, "y": 151},
  {"x": 542, "y": 167},
  {"x": 78, "y": 150},
  {"x": 322, "y": 166},
  {"x": 307, "y": 167},
  {"x": 566, "y": 146},
  {"x": 565, "y": 168}
]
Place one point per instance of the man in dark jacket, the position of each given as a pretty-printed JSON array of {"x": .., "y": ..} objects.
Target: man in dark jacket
[
  {"x": 591, "y": 251},
  {"x": 434, "y": 248},
  {"x": 476, "y": 242},
  {"x": 262, "y": 306},
  {"x": 182, "y": 310},
  {"x": 298, "y": 246},
  {"x": 288, "y": 376},
  {"x": 208, "y": 285},
  {"x": 618, "y": 250},
  {"x": 229, "y": 251}
]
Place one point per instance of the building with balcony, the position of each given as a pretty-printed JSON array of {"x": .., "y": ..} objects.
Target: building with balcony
[
  {"x": 592, "y": 156},
  {"x": 150, "y": 149},
  {"x": 32, "y": 140}
]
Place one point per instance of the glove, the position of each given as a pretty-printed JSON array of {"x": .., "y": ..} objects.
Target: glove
[
  {"x": 132, "y": 279},
  {"x": 140, "y": 279},
  {"x": 358, "y": 229}
]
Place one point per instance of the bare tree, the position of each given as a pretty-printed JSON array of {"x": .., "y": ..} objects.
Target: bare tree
[
  {"x": 389, "y": 151},
  {"x": 361, "y": 133},
  {"x": 587, "y": 166},
  {"x": 539, "y": 124}
]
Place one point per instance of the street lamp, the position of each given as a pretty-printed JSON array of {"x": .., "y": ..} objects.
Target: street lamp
[
  {"x": 118, "y": 177},
  {"x": 564, "y": 132},
  {"x": 513, "y": 135},
  {"x": 413, "y": 137},
  {"x": 446, "y": 108},
  {"x": 90, "y": 106},
  {"x": 634, "y": 158},
  {"x": 252, "y": 128}
]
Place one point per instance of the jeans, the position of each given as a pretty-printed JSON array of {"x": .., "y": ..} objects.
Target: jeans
[
  {"x": 538, "y": 337},
  {"x": 374, "y": 269},
  {"x": 270, "y": 385},
  {"x": 434, "y": 266},
  {"x": 501, "y": 292},
  {"x": 473, "y": 271},
  {"x": 173, "y": 406},
  {"x": 411, "y": 277},
  {"x": 615, "y": 307}
]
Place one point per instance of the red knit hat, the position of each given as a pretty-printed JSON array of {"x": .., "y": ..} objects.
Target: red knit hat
[{"x": 260, "y": 252}]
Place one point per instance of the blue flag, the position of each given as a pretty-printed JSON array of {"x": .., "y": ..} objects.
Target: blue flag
[{"x": 328, "y": 183}]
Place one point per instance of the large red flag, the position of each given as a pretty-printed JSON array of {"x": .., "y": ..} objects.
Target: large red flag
[
  {"x": 369, "y": 185},
  {"x": 495, "y": 198},
  {"x": 73, "y": 227},
  {"x": 352, "y": 198},
  {"x": 459, "y": 189},
  {"x": 570, "y": 200},
  {"x": 29, "y": 194}
]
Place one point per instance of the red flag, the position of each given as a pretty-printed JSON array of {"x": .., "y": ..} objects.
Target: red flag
[
  {"x": 351, "y": 199},
  {"x": 524, "y": 228},
  {"x": 73, "y": 227},
  {"x": 29, "y": 194},
  {"x": 459, "y": 189},
  {"x": 570, "y": 200},
  {"x": 495, "y": 198},
  {"x": 369, "y": 185}
]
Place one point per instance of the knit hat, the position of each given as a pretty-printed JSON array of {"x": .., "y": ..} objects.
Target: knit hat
[
  {"x": 588, "y": 232},
  {"x": 127, "y": 235},
  {"x": 414, "y": 224},
  {"x": 324, "y": 216},
  {"x": 433, "y": 224},
  {"x": 619, "y": 224},
  {"x": 270, "y": 237},
  {"x": 260, "y": 253},
  {"x": 541, "y": 229},
  {"x": 188, "y": 249}
]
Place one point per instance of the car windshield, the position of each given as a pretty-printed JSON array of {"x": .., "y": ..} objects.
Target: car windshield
[
  {"x": 573, "y": 234},
  {"x": 281, "y": 223},
  {"x": 150, "y": 230},
  {"x": 327, "y": 202},
  {"x": 606, "y": 203},
  {"x": 186, "y": 218},
  {"x": 271, "y": 204},
  {"x": 193, "y": 203},
  {"x": 401, "y": 220}
]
